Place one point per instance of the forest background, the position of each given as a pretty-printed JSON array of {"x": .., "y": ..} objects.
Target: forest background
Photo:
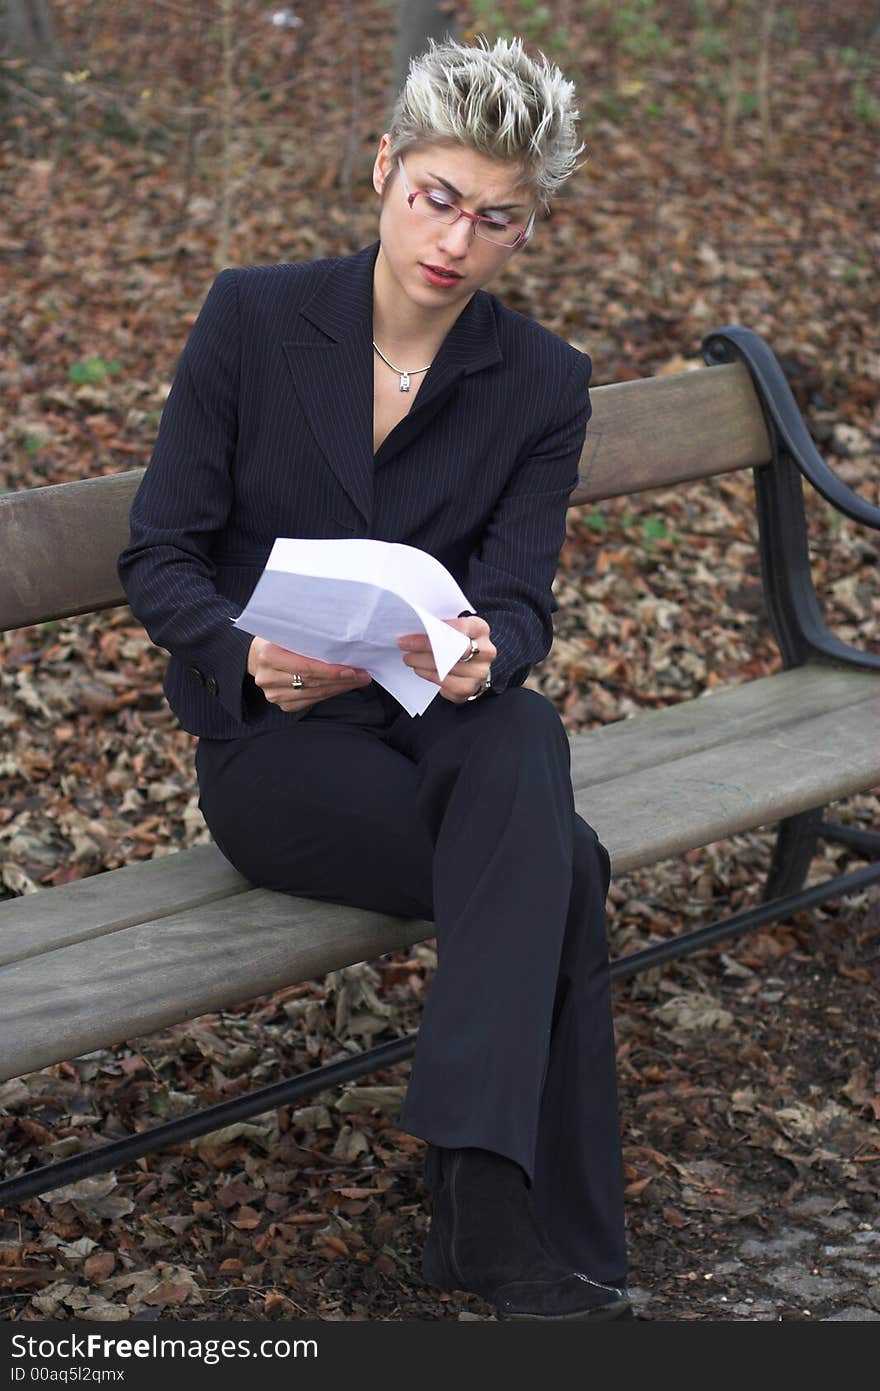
[{"x": 731, "y": 177}]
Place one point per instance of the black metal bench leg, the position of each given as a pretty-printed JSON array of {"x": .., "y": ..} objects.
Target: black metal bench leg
[{"x": 793, "y": 852}]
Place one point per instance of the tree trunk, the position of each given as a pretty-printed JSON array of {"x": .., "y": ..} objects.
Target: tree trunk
[
  {"x": 227, "y": 102},
  {"x": 32, "y": 66},
  {"x": 27, "y": 30},
  {"x": 739, "y": 20},
  {"x": 417, "y": 22},
  {"x": 768, "y": 16},
  {"x": 352, "y": 146}
]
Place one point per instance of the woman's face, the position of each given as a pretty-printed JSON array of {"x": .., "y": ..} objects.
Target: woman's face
[{"x": 412, "y": 244}]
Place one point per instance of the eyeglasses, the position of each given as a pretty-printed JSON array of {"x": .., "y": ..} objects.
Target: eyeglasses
[{"x": 435, "y": 205}]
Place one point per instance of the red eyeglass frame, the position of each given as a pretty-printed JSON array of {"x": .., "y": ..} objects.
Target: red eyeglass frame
[{"x": 476, "y": 218}]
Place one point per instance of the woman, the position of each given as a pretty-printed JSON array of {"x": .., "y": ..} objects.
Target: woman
[{"x": 313, "y": 779}]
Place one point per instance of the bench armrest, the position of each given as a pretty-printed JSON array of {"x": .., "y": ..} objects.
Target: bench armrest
[
  {"x": 793, "y": 606},
  {"x": 785, "y": 420}
]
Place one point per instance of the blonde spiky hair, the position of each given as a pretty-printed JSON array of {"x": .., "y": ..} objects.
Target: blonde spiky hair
[{"x": 495, "y": 99}]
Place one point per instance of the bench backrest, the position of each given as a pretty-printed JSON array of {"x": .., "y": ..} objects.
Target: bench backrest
[{"x": 60, "y": 543}]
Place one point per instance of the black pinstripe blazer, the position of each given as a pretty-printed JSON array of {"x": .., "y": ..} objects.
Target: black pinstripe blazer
[{"x": 268, "y": 431}]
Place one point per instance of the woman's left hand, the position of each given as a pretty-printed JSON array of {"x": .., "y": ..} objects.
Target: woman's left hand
[{"x": 466, "y": 677}]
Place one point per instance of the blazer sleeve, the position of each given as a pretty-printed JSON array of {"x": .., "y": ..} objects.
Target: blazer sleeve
[
  {"x": 510, "y": 577},
  {"x": 184, "y": 499}
]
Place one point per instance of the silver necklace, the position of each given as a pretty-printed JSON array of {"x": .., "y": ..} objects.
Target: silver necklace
[{"x": 403, "y": 373}]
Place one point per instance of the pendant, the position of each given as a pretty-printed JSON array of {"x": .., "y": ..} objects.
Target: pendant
[{"x": 404, "y": 381}]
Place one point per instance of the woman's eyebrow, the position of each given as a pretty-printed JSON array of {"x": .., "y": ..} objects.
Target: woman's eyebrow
[{"x": 494, "y": 207}]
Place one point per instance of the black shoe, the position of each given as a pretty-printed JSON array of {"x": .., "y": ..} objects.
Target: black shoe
[{"x": 484, "y": 1239}]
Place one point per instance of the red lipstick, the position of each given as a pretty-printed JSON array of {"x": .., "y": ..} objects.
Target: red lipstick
[{"x": 439, "y": 276}]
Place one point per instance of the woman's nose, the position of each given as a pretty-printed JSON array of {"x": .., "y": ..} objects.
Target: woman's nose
[{"x": 456, "y": 238}]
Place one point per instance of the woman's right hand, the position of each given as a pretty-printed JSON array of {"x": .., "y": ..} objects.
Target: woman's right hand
[{"x": 273, "y": 669}]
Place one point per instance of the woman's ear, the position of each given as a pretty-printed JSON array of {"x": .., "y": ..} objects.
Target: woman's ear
[{"x": 382, "y": 165}]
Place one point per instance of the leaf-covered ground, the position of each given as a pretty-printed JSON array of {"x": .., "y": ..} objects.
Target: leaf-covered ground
[{"x": 750, "y": 1079}]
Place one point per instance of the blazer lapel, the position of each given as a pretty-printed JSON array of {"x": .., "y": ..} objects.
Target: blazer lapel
[
  {"x": 469, "y": 346},
  {"x": 331, "y": 363}
]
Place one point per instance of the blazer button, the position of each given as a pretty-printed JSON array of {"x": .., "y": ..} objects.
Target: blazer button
[
  {"x": 197, "y": 675},
  {"x": 211, "y": 686}
]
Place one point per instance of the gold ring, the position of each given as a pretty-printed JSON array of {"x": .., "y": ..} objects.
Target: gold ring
[{"x": 296, "y": 683}]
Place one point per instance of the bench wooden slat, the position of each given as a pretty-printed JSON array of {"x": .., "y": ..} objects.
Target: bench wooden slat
[
  {"x": 156, "y": 973},
  {"x": 654, "y": 737},
  {"x": 60, "y": 546},
  {"x": 60, "y": 543},
  {"x": 661, "y": 431},
  {"x": 103, "y": 903},
  {"x": 662, "y": 812}
]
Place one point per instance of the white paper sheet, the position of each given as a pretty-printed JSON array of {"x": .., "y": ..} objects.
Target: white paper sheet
[{"x": 350, "y": 600}]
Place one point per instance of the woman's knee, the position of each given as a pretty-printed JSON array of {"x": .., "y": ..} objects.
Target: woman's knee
[
  {"x": 585, "y": 949},
  {"x": 591, "y": 859},
  {"x": 532, "y": 708},
  {"x": 529, "y": 720}
]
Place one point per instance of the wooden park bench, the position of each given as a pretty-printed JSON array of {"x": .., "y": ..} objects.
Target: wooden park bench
[{"x": 124, "y": 953}]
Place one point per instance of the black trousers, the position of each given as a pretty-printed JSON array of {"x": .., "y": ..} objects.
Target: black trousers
[{"x": 464, "y": 815}]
